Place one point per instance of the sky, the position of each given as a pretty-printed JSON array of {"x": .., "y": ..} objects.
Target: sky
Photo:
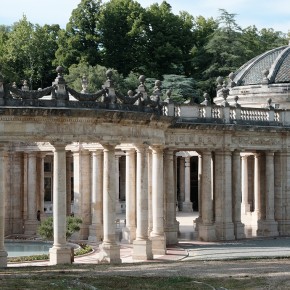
[{"x": 261, "y": 13}]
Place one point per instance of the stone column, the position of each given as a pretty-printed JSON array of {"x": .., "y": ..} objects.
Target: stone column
[
  {"x": 3, "y": 253},
  {"x": 117, "y": 167},
  {"x": 245, "y": 207},
  {"x": 41, "y": 186},
  {"x": 157, "y": 234},
  {"x": 171, "y": 226},
  {"x": 60, "y": 253},
  {"x": 257, "y": 186},
  {"x": 206, "y": 229},
  {"x": 223, "y": 195},
  {"x": 187, "y": 204},
  {"x": 31, "y": 223},
  {"x": 150, "y": 218},
  {"x": 96, "y": 228},
  {"x": 129, "y": 232},
  {"x": 199, "y": 218},
  {"x": 268, "y": 226},
  {"x": 142, "y": 246},
  {"x": 181, "y": 183},
  {"x": 68, "y": 184},
  {"x": 109, "y": 250},
  {"x": 82, "y": 192},
  {"x": 282, "y": 197},
  {"x": 239, "y": 228}
]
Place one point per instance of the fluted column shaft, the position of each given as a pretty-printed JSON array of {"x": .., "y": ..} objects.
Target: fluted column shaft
[
  {"x": 269, "y": 202},
  {"x": 142, "y": 194},
  {"x": 157, "y": 192},
  {"x": 32, "y": 186},
  {"x": 59, "y": 196},
  {"x": 60, "y": 253},
  {"x": 109, "y": 194},
  {"x": 109, "y": 250},
  {"x": 245, "y": 190},
  {"x": 257, "y": 185},
  {"x": 237, "y": 195},
  {"x": 131, "y": 194},
  {"x": 97, "y": 196},
  {"x": 171, "y": 227},
  {"x": 206, "y": 189},
  {"x": 3, "y": 253}
]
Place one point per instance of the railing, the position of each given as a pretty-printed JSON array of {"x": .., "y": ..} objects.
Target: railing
[
  {"x": 59, "y": 95},
  {"x": 228, "y": 115}
]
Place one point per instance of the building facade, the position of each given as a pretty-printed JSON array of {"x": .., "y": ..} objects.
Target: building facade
[{"x": 96, "y": 155}]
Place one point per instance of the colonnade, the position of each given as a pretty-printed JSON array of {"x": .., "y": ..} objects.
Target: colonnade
[{"x": 240, "y": 194}]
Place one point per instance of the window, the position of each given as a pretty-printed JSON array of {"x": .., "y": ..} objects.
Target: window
[{"x": 47, "y": 189}]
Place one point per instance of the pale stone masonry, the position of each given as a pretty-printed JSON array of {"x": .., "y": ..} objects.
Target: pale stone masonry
[{"x": 98, "y": 155}]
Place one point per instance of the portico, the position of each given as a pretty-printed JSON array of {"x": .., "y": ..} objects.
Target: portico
[{"x": 82, "y": 157}]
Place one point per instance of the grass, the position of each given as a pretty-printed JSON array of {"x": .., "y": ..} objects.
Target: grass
[{"x": 99, "y": 277}]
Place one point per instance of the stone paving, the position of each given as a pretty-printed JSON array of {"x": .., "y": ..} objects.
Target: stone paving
[{"x": 189, "y": 248}]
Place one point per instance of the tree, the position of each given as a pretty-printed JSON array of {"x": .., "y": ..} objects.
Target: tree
[
  {"x": 168, "y": 39},
  {"x": 45, "y": 230},
  {"x": 79, "y": 42},
  {"x": 120, "y": 29},
  {"x": 21, "y": 58}
]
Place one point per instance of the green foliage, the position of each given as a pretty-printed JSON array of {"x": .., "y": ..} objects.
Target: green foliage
[
  {"x": 21, "y": 61},
  {"x": 168, "y": 39},
  {"x": 85, "y": 249},
  {"x": 132, "y": 40},
  {"x": 120, "y": 27},
  {"x": 28, "y": 258},
  {"x": 80, "y": 41},
  {"x": 183, "y": 88},
  {"x": 45, "y": 230}
]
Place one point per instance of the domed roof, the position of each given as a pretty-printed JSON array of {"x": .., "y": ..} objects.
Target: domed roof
[
  {"x": 273, "y": 64},
  {"x": 264, "y": 78}
]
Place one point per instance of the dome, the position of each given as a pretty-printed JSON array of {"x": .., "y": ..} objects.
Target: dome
[{"x": 264, "y": 77}]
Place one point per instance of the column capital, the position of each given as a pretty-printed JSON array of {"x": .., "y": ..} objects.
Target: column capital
[
  {"x": 109, "y": 146},
  {"x": 157, "y": 148},
  {"x": 58, "y": 145}
]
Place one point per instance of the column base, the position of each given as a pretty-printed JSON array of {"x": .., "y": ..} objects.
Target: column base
[
  {"x": 60, "y": 255},
  {"x": 239, "y": 229},
  {"x": 187, "y": 206},
  {"x": 206, "y": 232},
  {"x": 3, "y": 259},
  {"x": 142, "y": 250},
  {"x": 128, "y": 235},
  {"x": 158, "y": 244},
  {"x": 95, "y": 233},
  {"x": 171, "y": 234},
  {"x": 225, "y": 231},
  {"x": 284, "y": 227},
  {"x": 109, "y": 254},
  {"x": 267, "y": 228},
  {"x": 30, "y": 227}
]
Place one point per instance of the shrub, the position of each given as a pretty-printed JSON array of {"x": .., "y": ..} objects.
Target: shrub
[{"x": 45, "y": 230}]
